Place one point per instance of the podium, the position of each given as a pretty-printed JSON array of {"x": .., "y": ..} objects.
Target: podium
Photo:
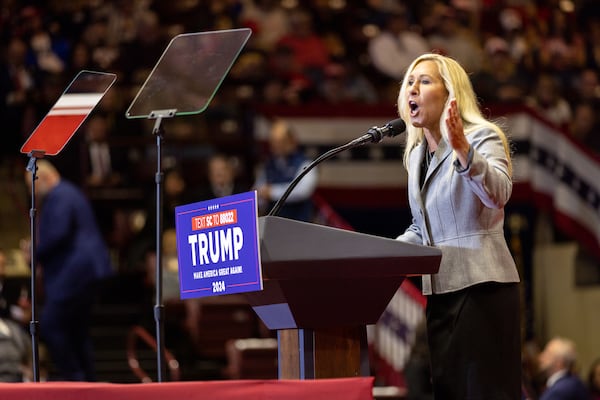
[{"x": 322, "y": 286}]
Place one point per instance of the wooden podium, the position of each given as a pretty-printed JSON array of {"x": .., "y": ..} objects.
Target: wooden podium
[{"x": 322, "y": 286}]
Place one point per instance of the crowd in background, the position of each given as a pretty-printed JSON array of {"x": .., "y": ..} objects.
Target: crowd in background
[{"x": 545, "y": 54}]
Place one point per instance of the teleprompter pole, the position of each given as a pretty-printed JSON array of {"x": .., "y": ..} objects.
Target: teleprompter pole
[
  {"x": 159, "y": 306},
  {"x": 34, "y": 323}
]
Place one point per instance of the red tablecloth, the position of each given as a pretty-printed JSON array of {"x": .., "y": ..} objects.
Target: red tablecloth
[{"x": 330, "y": 389}]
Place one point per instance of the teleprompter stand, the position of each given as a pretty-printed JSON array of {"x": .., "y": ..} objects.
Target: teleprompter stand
[
  {"x": 49, "y": 138},
  {"x": 322, "y": 286},
  {"x": 33, "y": 323},
  {"x": 183, "y": 82}
]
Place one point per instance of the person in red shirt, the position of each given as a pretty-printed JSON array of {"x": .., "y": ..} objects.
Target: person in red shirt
[{"x": 309, "y": 51}]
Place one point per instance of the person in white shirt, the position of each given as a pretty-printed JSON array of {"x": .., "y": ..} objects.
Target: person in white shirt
[{"x": 396, "y": 46}]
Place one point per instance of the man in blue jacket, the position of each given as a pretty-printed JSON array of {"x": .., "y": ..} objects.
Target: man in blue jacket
[
  {"x": 557, "y": 362},
  {"x": 74, "y": 259},
  {"x": 285, "y": 162}
]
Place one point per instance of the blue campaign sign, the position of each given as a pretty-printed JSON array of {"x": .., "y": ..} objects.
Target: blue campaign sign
[{"x": 218, "y": 246}]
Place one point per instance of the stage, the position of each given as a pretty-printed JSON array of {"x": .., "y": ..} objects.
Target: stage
[{"x": 330, "y": 389}]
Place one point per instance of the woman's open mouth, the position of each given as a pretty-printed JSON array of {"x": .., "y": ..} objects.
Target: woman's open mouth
[{"x": 414, "y": 108}]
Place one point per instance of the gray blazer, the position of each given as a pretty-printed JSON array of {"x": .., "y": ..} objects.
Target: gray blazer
[{"x": 462, "y": 213}]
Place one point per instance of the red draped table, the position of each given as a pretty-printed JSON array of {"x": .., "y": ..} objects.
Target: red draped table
[{"x": 330, "y": 389}]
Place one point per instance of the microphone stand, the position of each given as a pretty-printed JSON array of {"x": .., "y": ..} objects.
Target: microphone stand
[{"x": 372, "y": 135}]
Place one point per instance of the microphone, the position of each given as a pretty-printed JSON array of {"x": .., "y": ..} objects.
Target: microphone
[{"x": 377, "y": 133}]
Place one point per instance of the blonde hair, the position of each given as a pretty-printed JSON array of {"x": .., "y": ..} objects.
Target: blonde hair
[{"x": 459, "y": 87}]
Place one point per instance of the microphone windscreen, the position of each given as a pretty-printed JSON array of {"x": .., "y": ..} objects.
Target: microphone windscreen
[{"x": 397, "y": 126}]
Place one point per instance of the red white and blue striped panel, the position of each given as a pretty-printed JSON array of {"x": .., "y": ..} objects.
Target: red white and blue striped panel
[{"x": 61, "y": 122}]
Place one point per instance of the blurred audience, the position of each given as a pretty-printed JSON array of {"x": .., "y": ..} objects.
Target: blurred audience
[
  {"x": 533, "y": 381},
  {"x": 557, "y": 361},
  {"x": 343, "y": 83},
  {"x": 307, "y": 50},
  {"x": 562, "y": 48},
  {"x": 593, "y": 380},
  {"x": 585, "y": 126},
  {"x": 268, "y": 20},
  {"x": 104, "y": 167},
  {"x": 285, "y": 162},
  {"x": 14, "y": 296},
  {"x": 501, "y": 79},
  {"x": 48, "y": 49},
  {"x": 512, "y": 30},
  {"x": 221, "y": 176},
  {"x": 397, "y": 44},
  {"x": 15, "y": 314},
  {"x": 451, "y": 36},
  {"x": 591, "y": 33},
  {"x": 170, "y": 269},
  {"x": 14, "y": 351},
  {"x": 297, "y": 57},
  {"x": 288, "y": 83},
  {"x": 586, "y": 87},
  {"x": 548, "y": 101},
  {"x": 103, "y": 163},
  {"x": 138, "y": 55},
  {"x": 175, "y": 192},
  {"x": 17, "y": 97}
]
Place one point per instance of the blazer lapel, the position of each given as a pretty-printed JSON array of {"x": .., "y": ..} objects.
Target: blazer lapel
[
  {"x": 415, "y": 190},
  {"x": 442, "y": 152},
  {"x": 414, "y": 178}
]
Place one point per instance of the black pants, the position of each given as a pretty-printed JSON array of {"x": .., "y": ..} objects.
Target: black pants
[{"x": 474, "y": 340}]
